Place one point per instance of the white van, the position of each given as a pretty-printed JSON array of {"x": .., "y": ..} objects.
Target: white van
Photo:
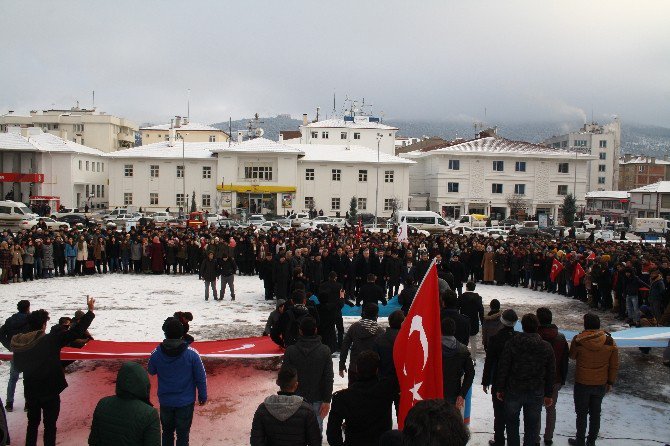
[
  {"x": 12, "y": 212},
  {"x": 425, "y": 220}
]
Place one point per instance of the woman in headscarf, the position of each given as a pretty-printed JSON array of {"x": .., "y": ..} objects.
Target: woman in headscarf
[
  {"x": 157, "y": 254},
  {"x": 488, "y": 265}
]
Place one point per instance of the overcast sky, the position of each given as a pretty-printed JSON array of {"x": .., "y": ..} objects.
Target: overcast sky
[{"x": 436, "y": 60}]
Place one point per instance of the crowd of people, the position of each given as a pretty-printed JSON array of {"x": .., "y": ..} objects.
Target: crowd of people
[{"x": 345, "y": 266}]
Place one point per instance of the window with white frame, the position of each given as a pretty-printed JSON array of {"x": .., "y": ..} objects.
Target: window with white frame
[
  {"x": 357, "y": 135},
  {"x": 580, "y": 143},
  {"x": 452, "y": 187},
  {"x": 180, "y": 171},
  {"x": 102, "y": 191},
  {"x": 206, "y": 200},
  {"x": 258, "y": 173},
  {"x": 520, "y": 166},
  {"x": 602, "y": 144},
  {"x": 362, "y": 176},
  {"x": 563, "y": 167},
  {"x": 496, "y": 188},
  {"x": 128, "y": 170},
  {"x": 362, "y": 203},
  {"x": 309, "y": 202},
  {"x": 336, "y": 175},
  {"x": 454, "y": 164},
  {"x": 601, "y": 180},
  {"x": 640, "y": 169},
  {"x": 324, "y": 135},
  {"x": 206, "y": 172},
  {"x": 97, "y": 191},
  {"x": 343, "y": 135},
  {"x": 602, "y": 167},
  {"x": 388, "y": 204},
  {"x": 520, "y": 189},
  {"x": 212, "y": 138},
  {"x": 180, "y": 200},
  {"x": 562, "y": 189},
  {"x": 87, "y": 166},
  {"x": 127, "y": 198},
  {"x": 498, "y": 166},
  {"x": 335, "y": 204},
  {"x": 388, "y": 176},
  {"x": 154, "y": 170},
  {"x": 153, "y": 198},
  {"x": 309, "y": 174},
  {"x": 315, "y": 135},
  {"x": 603, "y": 155}
]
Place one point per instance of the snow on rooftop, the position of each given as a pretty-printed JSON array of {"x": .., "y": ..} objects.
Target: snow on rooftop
[
  {"x": 616, "y": 194},
  {"x": 346, "y": 154},
  {"x": 191, "y": 126},
  {"x": 260, "y": 145},
  {"x": 496, "y": 145},
  {"x": 643, "y": 160},
  {"x": 660, "y": 187},
  {"x": 44, "y": 142},
  {"x": 341, "y": 123}
]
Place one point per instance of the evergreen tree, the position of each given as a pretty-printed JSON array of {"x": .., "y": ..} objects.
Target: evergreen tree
[
  {"x": 569, "y": 209},
  {"x": 353, "y": 209},
  {"x": 193, "y": 206}
]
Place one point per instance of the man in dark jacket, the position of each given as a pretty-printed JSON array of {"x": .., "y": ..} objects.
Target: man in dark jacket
[
  {"x": 458, "y": 371},
  {"x": 450, "y": 309},
  {"x": 209, "y": 272},
  {"x": 331, "y": 296},
  {"x": 281, "y": 275},
  {"x": 472, "y": 307},
  {"x": 370, "y": 292},
  {"x": 286, "y": 331},
  {"x": 549, "y": 332},
  {"x": 457, "y": 269},
  {"x": 392, "y": 272},
  {"x": 360, "y": 336},
  {"x": 127, "y": 418},
  {"x": 314, "y": 364},
  {"x": 383, "y": 346},
  {"x": 526, "y": 376},
  {"x": 406, "y": 296},
  {"x": 285, "y": 419},
  {"x": 227, "y": 268},
  {"x": 265, "y": 267},
  {"x": 37, "y": 355},
  {"x": 496, "y": 345},
  {"x": 180, "y": 372},
  {"x": 364, "y": 408},
  {"x": 15, "y": 324}
]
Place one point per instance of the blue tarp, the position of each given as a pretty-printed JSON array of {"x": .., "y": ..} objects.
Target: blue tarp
[{"x": 384, "y": 310}]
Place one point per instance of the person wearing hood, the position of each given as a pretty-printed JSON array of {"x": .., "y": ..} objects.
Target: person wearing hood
[
  {"x": 363, "y": 410},
  {"x": 37, "y": 355},
  {"x": 549, "y": 332},
  {"x": 180, "y": 372},
  {"x": 314, "y": 364},
  {"x": 597, "y": 364},
  {"x": 285, "y": 419},
  {"x": 458, "y": 371},
  {"x": 360, "y": 336},
  {"x": 491, "y": 324},
  {"x": 128, "y": 418},
  {"x": 15, "y": 324},
  {"x": 657, "y": 294},
  {"x": 525, "y": 380}
]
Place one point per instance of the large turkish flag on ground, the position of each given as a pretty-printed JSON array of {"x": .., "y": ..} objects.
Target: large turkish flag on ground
[
  {"x": 556, "y": 268},
  {"x": 418, "y": 348}
]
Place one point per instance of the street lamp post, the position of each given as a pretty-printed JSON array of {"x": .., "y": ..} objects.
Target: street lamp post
[
  {"x": 379, "y": 139},
  {"x": 183, "y": 173}
]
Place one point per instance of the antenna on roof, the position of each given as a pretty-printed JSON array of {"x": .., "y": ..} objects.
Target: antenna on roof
[
  {"x": 230, "y": 130},
  {"x": 93, "y": 98},
  {"x": 188, "y": 105},
  {"x": 334, "y": 104}
]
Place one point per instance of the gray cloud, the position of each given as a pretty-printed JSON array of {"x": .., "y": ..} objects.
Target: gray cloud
[{"x": 521, "y": 60}]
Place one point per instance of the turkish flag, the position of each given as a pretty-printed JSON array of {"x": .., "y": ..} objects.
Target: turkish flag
[
  {"x": 556, "y": 268},
  {"x": 359, "y": 230},
  {"x": 579, "y": 273},
  {"x": 591, "y": 256},
  {"x": 417, "y": 352}
]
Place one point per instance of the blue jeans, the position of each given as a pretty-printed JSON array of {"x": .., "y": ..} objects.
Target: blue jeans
[
  {"x": 11, "y": 384},
  {"x": 38, "y": 267},
  {"x": 71, "y": 262},
  {"x": 176, "y": 419},
  {"x": 531, "y": 403},
  {"x": 588, "y": 402},
  {"x": 632, "y": 308},
  {"x": 316, "y": 407}
]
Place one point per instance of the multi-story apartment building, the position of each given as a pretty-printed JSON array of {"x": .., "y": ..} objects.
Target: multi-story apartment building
[
  {"x": 89, "y": 127},
  {"x": 638, "y": 171},
  {"x": 494, "y": 176},
  {"x": 602, "y": 141},
  {"x": 651, "y": 201},
  {"x": 186, "y": 130}
]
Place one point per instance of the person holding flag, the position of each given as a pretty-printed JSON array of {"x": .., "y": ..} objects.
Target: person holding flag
[
  {"x": 402, "y": 232},
  {"x": 556, "y": 268},
  {"x": 577, "y": 276}
]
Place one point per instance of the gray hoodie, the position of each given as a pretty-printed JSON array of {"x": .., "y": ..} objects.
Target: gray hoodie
[{"x": 283, "y": 407}]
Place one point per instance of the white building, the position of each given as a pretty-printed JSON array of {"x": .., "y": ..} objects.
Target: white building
[
  {"x": 89, "y": 127},
  {"x": 651, "y": 201},
  {"x": 602, "y": 141},
  {"x": 42, "y": 164},
  {"x": 186, "y": 130},
  {"x": 358, "y": 130},
  {"x": 491, "y": 174},
  {"x": 257, "y": 176},
  {"x": 612, "y": 205}
]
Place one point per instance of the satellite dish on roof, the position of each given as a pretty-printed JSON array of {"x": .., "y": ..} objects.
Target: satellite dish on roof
[{"x": 259, "y": 132}]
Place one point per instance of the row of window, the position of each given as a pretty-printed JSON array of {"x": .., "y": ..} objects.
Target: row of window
[
  {"x": 361, "y": 203},
  {"x": 578, "y": 143},
  {"x": 520, "y": 166},
  {"x": 92, "y": 166},
  {"x": 326, "y": 135},
  {"x": 205, "y": 199},
  {"x": 519, "y": 189},
  {"x": 212, "y": 138},
  {"x": 98, "y": 190},
  {"x": 154, "y": 171},
  {"x": 336, "y": 175}
]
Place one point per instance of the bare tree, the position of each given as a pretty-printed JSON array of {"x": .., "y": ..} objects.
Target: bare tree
[{"x": 517, "y": 205}]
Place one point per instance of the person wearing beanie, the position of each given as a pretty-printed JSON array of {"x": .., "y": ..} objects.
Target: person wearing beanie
[
  {"x": 180, "y": 372},
  {"x": 496, "y": 345}
]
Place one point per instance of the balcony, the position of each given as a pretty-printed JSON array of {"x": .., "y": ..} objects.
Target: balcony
[{"x": 124, "y": 138}]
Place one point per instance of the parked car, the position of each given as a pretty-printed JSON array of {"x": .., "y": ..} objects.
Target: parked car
[
  {"x": 77, "y": 220},
  {"x": 161, "y": 217},
  {"x": 52, "y": 225},
  {"x": 463, "y": 230},
  {"x": 497, "y": 233},
  {"x": 508, "y": 223},
  {"x": 268, "y": 226},
  {"x": 256, "y": 219},
  {"x": 228, "y": 223},
  {"x": 529, "y": 231},
  {"x": 334, "y": 221},
  {"x": 583, "y": 224},
  {"x": 62, "y": 212}
]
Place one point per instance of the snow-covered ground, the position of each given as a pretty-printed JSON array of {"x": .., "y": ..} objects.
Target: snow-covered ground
[{"x": 132, "y": 308}]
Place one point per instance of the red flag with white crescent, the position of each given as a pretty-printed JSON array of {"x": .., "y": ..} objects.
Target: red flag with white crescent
[
  {"x": 579, "y": 273},
  {"x": 591, "y": 256},
  {"x": 556, "y": 268},
  {"x": 417, "y": 352},
  {"x": 359, "y": 230}
]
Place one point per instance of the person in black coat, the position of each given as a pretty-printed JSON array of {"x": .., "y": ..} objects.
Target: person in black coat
[
  {"x": 371, "y": 292},
  {"x": 457, "y": 269},
  {"x": 265, "y": 267},
  {"x": 59, "y": 257},
  {"x": 472, "y": 306},
  {"x": 458, "y": 371},
  {"x": 37, "y": 355},
  {"x": 393, "y": 271},
  {"x": 285, "y": 419},
  {"x": 15, "y": 324},
  {"x": 330, "y": 296},
  {"x": 281, "y": 275},
  {"x": 496, "y": 345},
  {"x": 364, "y": 408},
  {"x": 286, "y": 331},
  {"x": 363, "y": 267},
  {"x": 450, "y": 309},
  {"x": 209, "y": 271},
  {"x": 406, "y": 296}
]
